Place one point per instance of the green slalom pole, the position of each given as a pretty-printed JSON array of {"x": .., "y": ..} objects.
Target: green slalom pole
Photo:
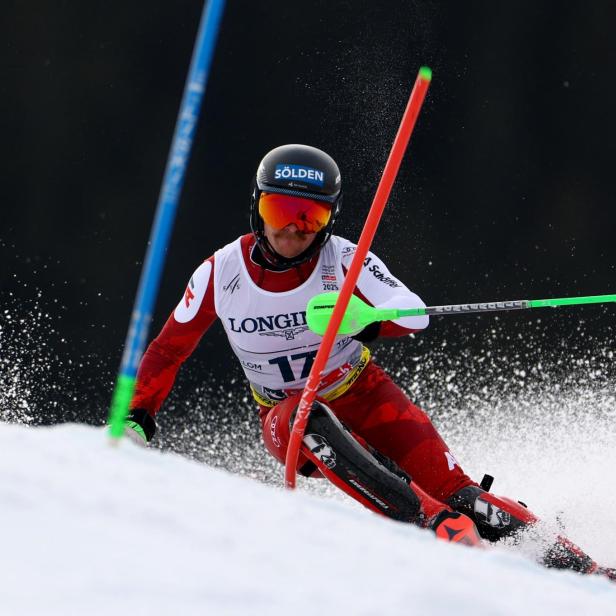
[{"x": 359, "y": 314}]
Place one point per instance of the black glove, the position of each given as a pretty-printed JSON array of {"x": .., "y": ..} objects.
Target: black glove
[
  {"x": 140, "y": 423},
  {"x": 369, "y": 334}
]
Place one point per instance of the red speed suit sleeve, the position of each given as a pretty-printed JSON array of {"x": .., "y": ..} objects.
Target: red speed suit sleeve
[{"x": 177, "y": 340}]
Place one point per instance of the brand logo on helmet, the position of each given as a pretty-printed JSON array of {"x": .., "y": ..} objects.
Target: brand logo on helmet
[{"x": 299, "y": 172}]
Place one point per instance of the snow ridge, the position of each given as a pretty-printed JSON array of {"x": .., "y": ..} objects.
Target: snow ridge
[{"x": 93, "y": 529}]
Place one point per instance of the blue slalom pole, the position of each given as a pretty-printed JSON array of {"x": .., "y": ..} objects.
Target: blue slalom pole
[{"x": 169, "y": 196}]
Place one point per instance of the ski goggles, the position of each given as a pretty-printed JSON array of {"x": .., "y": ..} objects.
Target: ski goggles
[{"x": 309, "y": 215}]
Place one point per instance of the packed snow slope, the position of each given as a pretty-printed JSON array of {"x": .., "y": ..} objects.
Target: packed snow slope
[{"x": 92, "y": 529}]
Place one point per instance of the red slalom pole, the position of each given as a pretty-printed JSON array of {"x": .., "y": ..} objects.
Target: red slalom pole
[{"x": 388, "y": 178}]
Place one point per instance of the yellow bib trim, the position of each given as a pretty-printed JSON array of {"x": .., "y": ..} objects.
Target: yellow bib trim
[{"x": 332, "y": 394}]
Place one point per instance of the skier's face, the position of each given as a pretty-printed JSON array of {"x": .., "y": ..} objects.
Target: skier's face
[{"x": 289, "y": 241}]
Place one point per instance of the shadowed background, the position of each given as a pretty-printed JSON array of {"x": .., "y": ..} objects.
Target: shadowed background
[{"x": 507, "y": 191}]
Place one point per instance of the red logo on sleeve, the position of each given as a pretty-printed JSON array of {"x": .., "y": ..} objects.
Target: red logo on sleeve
[
  {"x": 191, "y": 300},
  {"x": 188, "y": 295}
]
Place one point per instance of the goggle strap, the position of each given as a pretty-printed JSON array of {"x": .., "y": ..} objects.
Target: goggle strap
[{"x": 297, "y": 193}]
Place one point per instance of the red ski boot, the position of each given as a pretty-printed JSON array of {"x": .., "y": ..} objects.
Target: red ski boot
[
  {"x": 456, "y": 528},
  {"x": 498, "y": 517}
]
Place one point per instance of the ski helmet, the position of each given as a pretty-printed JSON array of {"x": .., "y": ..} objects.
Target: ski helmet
[{"x": 297, "y": 171}]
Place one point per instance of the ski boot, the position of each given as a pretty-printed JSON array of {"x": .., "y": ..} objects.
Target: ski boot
[
  {"x": 456, "y": 528},
  {"x": 376, "y": 481},
  {"x": 498, "y": 517}
]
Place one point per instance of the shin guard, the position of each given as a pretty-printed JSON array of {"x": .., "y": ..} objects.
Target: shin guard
[{"x": 370, "y": 479}]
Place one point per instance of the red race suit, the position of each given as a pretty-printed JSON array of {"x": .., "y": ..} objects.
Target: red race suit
[
  {"x": 263, "y": 312},
  {"x": 373, "y": 406}
]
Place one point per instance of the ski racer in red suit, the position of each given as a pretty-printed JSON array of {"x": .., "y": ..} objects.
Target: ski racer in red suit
[{"x": 364, "y": 434}]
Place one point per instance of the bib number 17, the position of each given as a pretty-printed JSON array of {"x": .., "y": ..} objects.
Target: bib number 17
[{"x": 286, "y": 371}]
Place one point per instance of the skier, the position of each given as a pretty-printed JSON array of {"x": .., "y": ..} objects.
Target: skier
[{"x": 364, "y": 434}]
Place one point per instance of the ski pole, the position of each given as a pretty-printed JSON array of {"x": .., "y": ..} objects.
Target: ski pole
[
  {"x": 372, "y": 221},
  {"x": 169, "y": 196},
  {"x": 359, "y": 314}
]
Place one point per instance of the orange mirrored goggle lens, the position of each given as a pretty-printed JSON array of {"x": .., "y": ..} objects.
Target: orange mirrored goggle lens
[{"x": 309, "y": 215}]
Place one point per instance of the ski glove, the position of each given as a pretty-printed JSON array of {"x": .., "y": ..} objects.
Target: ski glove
[
  {"x": 369, "y": 334},
  {"x": 140, "y": 426}
]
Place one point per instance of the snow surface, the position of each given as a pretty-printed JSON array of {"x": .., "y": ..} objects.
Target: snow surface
[{"x": 88, "y": 528}]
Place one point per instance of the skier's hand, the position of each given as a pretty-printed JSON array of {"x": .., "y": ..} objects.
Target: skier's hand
[
  {"x": 369, "y": 334},
  {"x": 140, "y": 427}
]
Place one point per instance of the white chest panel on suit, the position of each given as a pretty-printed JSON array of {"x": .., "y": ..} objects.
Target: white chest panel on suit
[{"x": 267, "y": 330}]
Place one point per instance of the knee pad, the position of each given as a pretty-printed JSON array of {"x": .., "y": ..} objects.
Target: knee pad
[
  {"x": 276, "y": 424},
  {"x": 496, "y": 517},
  {"x": 354, "y": 469}
]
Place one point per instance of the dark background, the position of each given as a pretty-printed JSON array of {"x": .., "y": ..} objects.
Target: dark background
[{"x": 507, "y": 190}]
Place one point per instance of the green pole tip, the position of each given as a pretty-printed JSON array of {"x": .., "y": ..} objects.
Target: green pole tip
[{"x": 425, "y": 73}]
